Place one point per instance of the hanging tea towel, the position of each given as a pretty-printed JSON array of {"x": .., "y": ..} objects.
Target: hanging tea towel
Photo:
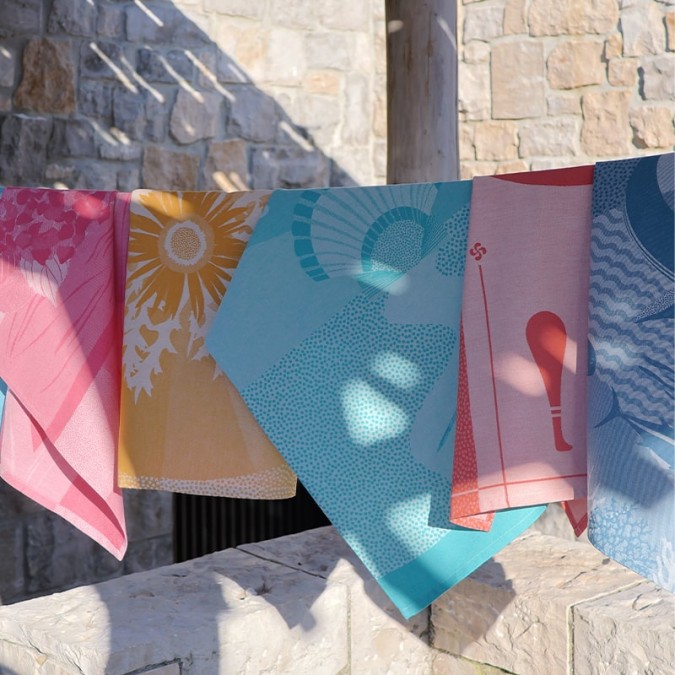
[
  {"x": 59, "y": 353},
  {"x": 524, "y": 329},
  {"x": 631, "y": 454},
  {"x": 184, "y": 427},
  {"x": 340, "y": 331}
]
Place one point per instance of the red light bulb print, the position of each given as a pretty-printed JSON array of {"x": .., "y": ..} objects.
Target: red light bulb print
[{"x": 547, "y": 339}]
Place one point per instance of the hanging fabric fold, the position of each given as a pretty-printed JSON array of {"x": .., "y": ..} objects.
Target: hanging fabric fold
[
  {"x": 521, "y": 434},
  {"x": 631, "y": 452},
  {"x": 59, "y": 353},
  {"x": 184, "y": 427},
  {"x": 349, "y": 363}
]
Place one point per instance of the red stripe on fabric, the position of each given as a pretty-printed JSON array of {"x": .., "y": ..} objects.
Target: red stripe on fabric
[{"x": 576, "y": 175}]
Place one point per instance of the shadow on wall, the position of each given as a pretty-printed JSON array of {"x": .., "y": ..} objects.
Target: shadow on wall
[{"x": 120, "y": 95}]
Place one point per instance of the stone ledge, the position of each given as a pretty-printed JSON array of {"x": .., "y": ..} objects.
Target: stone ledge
[
  {"x": 305, "y": 604},
  {"x": 544, "y": 604}
]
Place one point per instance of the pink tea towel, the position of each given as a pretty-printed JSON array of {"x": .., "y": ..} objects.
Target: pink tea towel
[
  {"x": 61, "y": 253},
  {"x": 524, "y": 332}
]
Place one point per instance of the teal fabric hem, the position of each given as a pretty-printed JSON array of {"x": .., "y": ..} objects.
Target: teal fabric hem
[{"x": 416, "y": 585}]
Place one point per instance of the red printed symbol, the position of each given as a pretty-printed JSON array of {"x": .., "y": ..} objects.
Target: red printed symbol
[
  {"x": 477, "y": 251},
  {"x": 547, "y": 338}
]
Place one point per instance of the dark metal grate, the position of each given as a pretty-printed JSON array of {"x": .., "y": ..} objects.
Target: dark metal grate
[{"x": 206, "y": 524}]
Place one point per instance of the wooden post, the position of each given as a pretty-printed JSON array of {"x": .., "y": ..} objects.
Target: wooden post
[{"x": 421, "y": 91}]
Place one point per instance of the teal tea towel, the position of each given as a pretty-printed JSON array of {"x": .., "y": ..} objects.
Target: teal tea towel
[
  {"x": 340, "y": 330},
  {"x": 631, "y": 456}
]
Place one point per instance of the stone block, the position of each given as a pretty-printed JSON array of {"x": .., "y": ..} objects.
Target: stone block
[
  {"x": 117, "y": 145},
  {"x": 286, "y": 61},
  {"x": 496, "y": 140},
  {"x": 563, "y": 104},
  {"x": 653, "y": 127},
  {"x": 254, "y": 115},
  {"x": 250, "y": 9},
  {"x": 23, "y": 149},
  {"x": 572, "y": 17},
  {"x": 516, "y": 166},
  {"x": 196, "y": 115},
  {"x": 380, "y": 161},
  {"x": 244, "y": 55},
  {"x": 327, "y": 82},
  {"x": 515, "y": 17},
  {"x": 467, "y": 149},
  {"x": 381, "y": 640},
  {"x": 474, "y": 91},
  {"x": 228, "y": 612},
  {"x": 292, "y": 167},
  {"x": 58, "y": 556},
  {"x": 658, "y": 78},
  {"x": 575, "y": 63},
  {"x": 5, "y": 102},
  {"x": 293, "y": 15},
  {"x": 470, "y": 170},
  {"x": 476, "y": 52},
  {"x": 483, "y": 22},
  {"x": 630, "y": 631},
  {"x": 605, "y": 131},
  {"x": 72, "y": 17},
  {"x": 94, "y": 98},
  {"x": 128, "y": 178},
  {"x": 328, "y": 50},
  {"x": 510, "y": 615},
  {"x": 557, "y": 163},
  {"x": 163, "y": 24},
  {"x": 171, "y": 67},
  {"x": 149, "y": 513},
  {"x": 156, "y": 119},
  {"x": 165, "y": 169},
  {"x": 61, "y": 175},
  {"x": 7, "y": 67},
  {"x": 622, "y": 72},
  {"x": 518, "y": 80},
  {"x": 613, "y": 46},
  {"x": 226, "y": 166},
  {"x": 670, "y": 31},
  {"x": 350, "y": 166},
  {"x": 100, "y": 59},
  {"x": 11, "y": 562},
  {"x": 355, "y": 122},
  {"x": 20, "y": 17},
  {"x": 643, "y": 30},
  {"x": 110, "y": 21},
  {"x": 319, "y": 114},
  {"x": 554, "y": 138},
  {"x": 128, "y": 111},
  {"x": 48, "y": 73},
  {"x": 380, "y": 108},
  {"x": 348, "y": 15},
  {"x": 72, "y": 138}
]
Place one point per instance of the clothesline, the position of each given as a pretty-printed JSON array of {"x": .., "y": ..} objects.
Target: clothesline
[{"x": 136, "y": 355}]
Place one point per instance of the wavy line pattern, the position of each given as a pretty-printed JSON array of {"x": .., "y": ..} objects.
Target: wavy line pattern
[{"x": 622, "y": 287}]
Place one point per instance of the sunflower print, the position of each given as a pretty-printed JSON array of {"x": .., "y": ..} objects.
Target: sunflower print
[
  {"x": 184, "y": 245},
  {"x": 183, "y": 249},
  {"x": 183, "y": 425}
]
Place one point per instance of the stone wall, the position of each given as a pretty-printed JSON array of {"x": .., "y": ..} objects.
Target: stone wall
[
  {"x": 551, "y": 83},
  {"x": 190, "y": 94},
  {"x": 305, "y": 604}
]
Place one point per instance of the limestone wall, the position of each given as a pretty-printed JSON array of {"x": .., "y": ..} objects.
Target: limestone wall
[
  {"x": 549, "y": 83},
  {"x": 305, "y": 604}
]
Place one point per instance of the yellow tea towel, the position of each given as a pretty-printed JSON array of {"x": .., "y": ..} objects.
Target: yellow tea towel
[{"x": 184, "y": 427}]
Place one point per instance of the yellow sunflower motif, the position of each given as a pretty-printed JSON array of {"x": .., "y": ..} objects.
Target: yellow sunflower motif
[{"x": 185, "y": 245}]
